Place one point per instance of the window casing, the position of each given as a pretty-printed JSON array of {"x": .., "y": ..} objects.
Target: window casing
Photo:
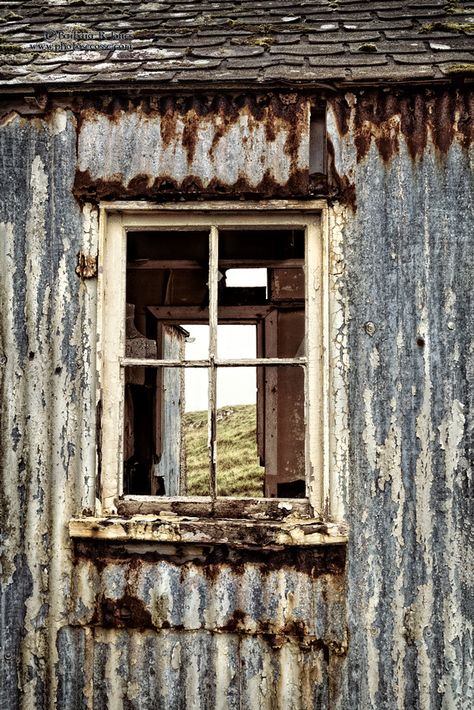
[{"x": 116, "y": 223}]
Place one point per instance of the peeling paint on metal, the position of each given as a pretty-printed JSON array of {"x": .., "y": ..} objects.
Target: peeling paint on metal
[
  {"x": 41, "y": 333},
  {"x": 420, "y": 117},
  {"x": 59, "y": 121},
  {"x": 408, "y": 266},
  {"x": 233, "y": 146}
]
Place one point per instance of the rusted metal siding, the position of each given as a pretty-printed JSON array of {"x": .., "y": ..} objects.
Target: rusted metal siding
[
  {"x": 145, "y": 670},
  {"x": 403, "y": 275},
  {"x": 217, "y": 146},
  {"x": 88, "y": 626},
  {"x": 207, "y": 629},
  {"x": 47, "y": 393}
]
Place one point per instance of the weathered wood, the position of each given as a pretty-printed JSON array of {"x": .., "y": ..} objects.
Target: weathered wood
[
  {"x": 242, "y": 533},
  {"x": 207, "y": 507},
  {"x": 189, "y": 264},
  {"x": 227, "y": 314},
  {"x": 271, "y": 406},
  {"x": 212, "y": 380},
  {"x": 243, "y": 362},
  {"x": 134, "y": 207},
  {"x": 316, "y": 409},
  {"x": 113, "y": 321},
  {"x": 261, "y": 393},
  {"x": 170, "y": 401}
]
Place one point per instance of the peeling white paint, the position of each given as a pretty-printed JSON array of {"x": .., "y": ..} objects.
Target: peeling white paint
[
  {"x": 9, "y": 374},
  {"x": 339, "y": 364},
  {"x": 225, "y": 672},
  {"x": 373, "y": 656},
  {"x": 369, "y": 430},
  {"x": 38, "y": 456},
  {"x": 374, "y": 358},
  {"x": 451, "y": 434},
  {"x": 59, "y": 121},
  {"x": 193, "y": 683},
  {"x": 424, "y": 480}
]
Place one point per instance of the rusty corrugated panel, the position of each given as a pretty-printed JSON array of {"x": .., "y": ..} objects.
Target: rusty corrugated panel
[
  {"x": 236, "y": 145},
  {"x": 282, "y": 593},
  {"x": 265, "y": 633},
  {"x": 402, "y": 275},
  {"x": 208, "y": 629},
  {"x": 195, "y": 670}
]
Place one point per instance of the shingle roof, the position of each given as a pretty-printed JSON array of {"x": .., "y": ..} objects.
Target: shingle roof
[{"x": 224, "y": 42}]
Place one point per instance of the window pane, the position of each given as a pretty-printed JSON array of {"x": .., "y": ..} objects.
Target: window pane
[
  {"x": 167, "y": 277},
  {"x": 261, "y": 282},
  {"x": 196, "y": 431},
  {"x": 260, "y": 432},
  {"x": 197, "y": 457},
  {"x": 255, "y": 277},
  {"x": 237, "y": 341},
  {"x": 158, "y": 431},
  {"x": 260, "y": 410}
]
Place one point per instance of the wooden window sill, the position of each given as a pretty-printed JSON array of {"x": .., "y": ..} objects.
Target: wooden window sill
[{"x": 171, "y": 528}]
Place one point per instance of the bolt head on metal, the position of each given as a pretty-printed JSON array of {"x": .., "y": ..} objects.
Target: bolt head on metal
[{"x": 369, "y": 328}]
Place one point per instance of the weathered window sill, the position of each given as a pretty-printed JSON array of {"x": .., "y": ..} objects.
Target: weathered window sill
[{"x": 236, "y": 533}]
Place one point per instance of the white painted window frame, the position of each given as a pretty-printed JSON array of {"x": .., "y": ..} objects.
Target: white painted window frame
[{"x": 116, "y": 219}]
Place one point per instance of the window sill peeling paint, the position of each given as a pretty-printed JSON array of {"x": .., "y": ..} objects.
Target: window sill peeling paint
[{"x": 237, "y": 533}]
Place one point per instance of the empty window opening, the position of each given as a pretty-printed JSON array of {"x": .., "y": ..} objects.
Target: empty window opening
[
  {"x": 203, "y": 413},
  {"x": 317, "y": 143},
  {"x": 248, "y": 278}
]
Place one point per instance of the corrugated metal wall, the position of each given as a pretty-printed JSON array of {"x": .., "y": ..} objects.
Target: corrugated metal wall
[
  {"x": 200, "y": 145},
  {"x": 47, "y": 392},
  {"x": 103, "y": 626},
  {"x": 406, "y": 327}
]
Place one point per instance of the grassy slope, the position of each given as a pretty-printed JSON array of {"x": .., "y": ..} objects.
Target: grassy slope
[{"x": 238, "y": 469}]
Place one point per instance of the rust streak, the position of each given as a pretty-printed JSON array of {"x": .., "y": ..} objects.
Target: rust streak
[
  {"x": 443, "y": 113},
  {"x": 414, "y": 123},
  {"x": 342, "y": 112},
  {"x": 382, "y": 116}
]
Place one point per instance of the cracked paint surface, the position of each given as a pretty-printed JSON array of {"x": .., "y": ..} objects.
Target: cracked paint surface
[{"x": 408, "y": 500}]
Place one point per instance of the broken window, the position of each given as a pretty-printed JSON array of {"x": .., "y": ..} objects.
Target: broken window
[{"x": 213, "y": 367}]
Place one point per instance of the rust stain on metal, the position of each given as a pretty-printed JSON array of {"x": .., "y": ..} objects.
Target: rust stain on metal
[
  {"x": 126, "y": 612},
  {"x": 342, "y": 112},
  {"x": 373, "y": 119},
  {"x": 314, "y": 561},
  {"x": 413, "y": 123},
  {"x": 166, "y": 186},
  {"x": 120, "y": 569},
  {"x": 443, "y": 117},
  {"x": 419, "y": 115},
  {"x": 190, "y": 135},
  {"x": 86, "y": 266},
  {"x": 240, "y": 144},
  {"x": 465, "y": 107},
  {"x": 168, "y": 119}
]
